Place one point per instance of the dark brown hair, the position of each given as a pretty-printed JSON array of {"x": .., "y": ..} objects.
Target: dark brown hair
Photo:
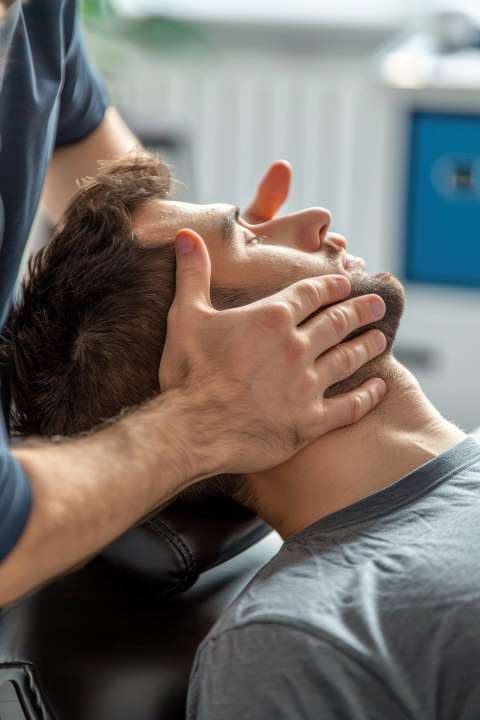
[{"x": 87, "y": 337}]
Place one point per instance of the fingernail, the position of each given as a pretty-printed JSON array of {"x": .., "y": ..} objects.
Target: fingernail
[
  {"x": 377, "y": 308},
  {"x": 184, "y": 244}
]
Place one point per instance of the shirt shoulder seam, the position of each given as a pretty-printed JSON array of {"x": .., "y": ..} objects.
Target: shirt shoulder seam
[
  {"x": 304, "y": 629},
  {"x": 300, "y": 627}
]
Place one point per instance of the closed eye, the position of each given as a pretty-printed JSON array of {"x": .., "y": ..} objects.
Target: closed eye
[{"x": 229, "y": 221}]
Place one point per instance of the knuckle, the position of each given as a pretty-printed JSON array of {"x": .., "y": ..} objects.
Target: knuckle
[
  {"x": 309, "y": 424},
  {"x": 298, "y": 346},
  {"x": 361, "y": 309},
  {"x": 320, "y": 420},
  {"x": 309, "y": 386},
  {"x": 365, "y": 347},
  {"x": 311, "y": 292},
  {"x": 362, "y": 350},
  {"x": 340, "y": 320},
  {"x": 198, "y": 306},
  {"x": 357, "y": 408},
  {"x": 346, "y": 359},
  {"x": 372, "y": 349},
  {"x": 276, "y": 315},
  {"x": 197, "y": 311},
  {"x": 173, "y": 315}
]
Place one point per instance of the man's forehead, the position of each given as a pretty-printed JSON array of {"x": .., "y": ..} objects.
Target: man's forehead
[{"x": 159, "y": 220}]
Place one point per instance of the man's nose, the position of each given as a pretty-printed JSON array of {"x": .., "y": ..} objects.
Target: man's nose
[
  {"x": 306, "y": 230},
  {"x": 312, "y": 228}
]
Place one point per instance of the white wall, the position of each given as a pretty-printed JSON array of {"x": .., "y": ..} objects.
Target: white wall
[{"x": 241, "y": 103}]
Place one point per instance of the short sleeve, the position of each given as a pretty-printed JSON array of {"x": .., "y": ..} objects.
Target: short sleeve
[
  {"x": 15, "y": 498},
  {"x": 277, "y": 672},
  {"x": 84, "y": 97}
]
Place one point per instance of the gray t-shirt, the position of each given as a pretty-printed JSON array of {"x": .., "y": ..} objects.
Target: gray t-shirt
[{"x": 370, "y": 613}]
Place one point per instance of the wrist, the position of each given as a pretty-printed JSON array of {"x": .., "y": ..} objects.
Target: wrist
[
  {"x": 181, "y": 430},
  {"x": 197, "y": 432}
]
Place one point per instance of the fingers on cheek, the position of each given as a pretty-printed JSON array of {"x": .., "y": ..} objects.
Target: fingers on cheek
[
  {"x": 368, "y": 396},
  {"x": 365, "y": 310},
  {"x": 344, "y": 359},
  {"x": 368, "y": 345}
]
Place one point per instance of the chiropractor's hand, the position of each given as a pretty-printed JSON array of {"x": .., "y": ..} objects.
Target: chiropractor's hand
[
  {"x": 257, "y": 374},
  {"x": 272, "y": 192}
]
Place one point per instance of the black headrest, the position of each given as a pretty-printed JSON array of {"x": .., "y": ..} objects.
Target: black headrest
[{"x": 171, "y": 549}]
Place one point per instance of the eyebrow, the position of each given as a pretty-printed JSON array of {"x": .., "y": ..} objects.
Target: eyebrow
[{"x": 229, "y": 223}]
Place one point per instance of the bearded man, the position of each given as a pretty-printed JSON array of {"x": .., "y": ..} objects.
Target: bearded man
[
  {"x": 56, "y": 124},
  {"x": 370, "y": 608}
]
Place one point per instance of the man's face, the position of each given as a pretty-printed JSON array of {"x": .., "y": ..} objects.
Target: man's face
[
  {"x": 272, "y": 254},
  {"x": 252, "y": 261},
  {"x": 258, "y": 260}
]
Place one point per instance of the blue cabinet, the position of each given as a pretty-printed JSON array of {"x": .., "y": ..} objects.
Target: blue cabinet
[{"x": 443, "y": 200}]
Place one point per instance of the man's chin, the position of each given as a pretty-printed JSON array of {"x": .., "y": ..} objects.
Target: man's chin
[{"x": 391, "y": 290}]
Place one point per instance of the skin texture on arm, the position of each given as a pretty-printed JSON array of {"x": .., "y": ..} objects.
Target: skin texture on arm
[
  {"x": 72, "y": 162},
  {"x": 88, "y": 491}
]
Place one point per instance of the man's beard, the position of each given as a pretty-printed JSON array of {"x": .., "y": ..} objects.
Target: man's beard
[
  {"x": 384, "y": 284},
  {"x": 391, "y": 290}
]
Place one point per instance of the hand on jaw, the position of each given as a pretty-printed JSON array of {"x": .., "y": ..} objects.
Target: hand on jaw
[
  {"x": 293, "y": 493},
  {"x": 274, "y": 397},
  {"x": 244, "y": 386},
  {"x": 266, "y": 405}
]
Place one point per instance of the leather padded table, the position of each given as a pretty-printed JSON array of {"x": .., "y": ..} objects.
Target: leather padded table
[{"x": 99, "y": 644}]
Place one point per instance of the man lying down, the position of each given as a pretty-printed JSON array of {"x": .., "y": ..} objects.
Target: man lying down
[{"x": 371, "y": 608}]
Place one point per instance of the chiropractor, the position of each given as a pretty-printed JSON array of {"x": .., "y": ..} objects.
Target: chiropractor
[{"x": 61, "y": 502}]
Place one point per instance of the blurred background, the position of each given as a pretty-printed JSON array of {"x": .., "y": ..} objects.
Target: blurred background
[{"x": 375, "y": 103}]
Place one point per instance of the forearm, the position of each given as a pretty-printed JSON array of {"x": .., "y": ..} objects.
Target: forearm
[
  {"x": 89, "y": 490},
  {"x": 71, "y": 163}
]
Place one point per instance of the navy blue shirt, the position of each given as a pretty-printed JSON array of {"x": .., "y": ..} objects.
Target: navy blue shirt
[{"x": 49, "y": 96}]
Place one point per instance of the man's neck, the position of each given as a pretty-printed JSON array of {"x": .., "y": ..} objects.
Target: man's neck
[{"x": 340, "y": 468}]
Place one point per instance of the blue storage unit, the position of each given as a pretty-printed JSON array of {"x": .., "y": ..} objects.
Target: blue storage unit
[{"x": 443, "y": 200}]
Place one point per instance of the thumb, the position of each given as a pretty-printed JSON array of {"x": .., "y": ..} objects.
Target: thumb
[
  {"x": 193, "y": 268},
  {"x": 272, "y": 192}
]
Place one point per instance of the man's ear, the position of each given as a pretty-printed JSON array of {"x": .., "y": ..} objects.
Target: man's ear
[{"x": 272, "y": 193}]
